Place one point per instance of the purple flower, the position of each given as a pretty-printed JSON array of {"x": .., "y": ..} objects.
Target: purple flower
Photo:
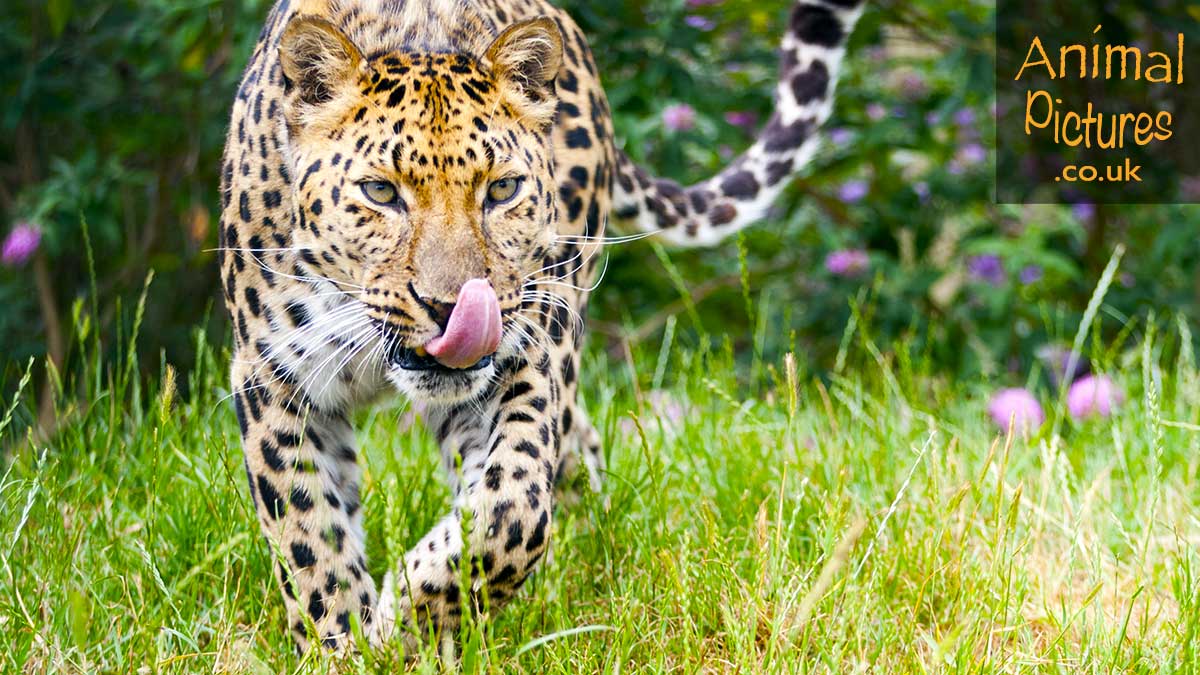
[
  {"x": 847, "y": 262},
  {"x": 1056, "y": 359},
  {"x": 699, "y": 22},
  {"x": 667, "y": 407},
  {"x": 987, "y": 268},
  {"x": 679, "y": 117},
  {"x": 840, "y": 136},
  {"x": 701, "y": 3},
  {"x": 912, "y": 86},
  {"x": 922, "y": 190},
  {"x": 1094, "y": 395},
  {"x": 972, "y": 153},
  {"x": 662, "y": 408},
  {"x": 742, "y": 118},
  {"x": 1190, "y": 187},
  {"x": 853, "y": 191},
  {"x": 1126, "y": 279},
  {"x": 1030, "y": 274},
  {"x": 1017, "y": 406},
  {"x": 965, "y": 117},
  {"x": 21, "y": 244},
  {"x": 876, "y": 112},
  {"x": 932, "y": 119},
  {"x": 1084, "y": 211}
]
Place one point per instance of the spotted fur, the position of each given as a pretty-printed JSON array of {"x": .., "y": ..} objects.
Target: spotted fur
[{"x": 327, "y": 288}]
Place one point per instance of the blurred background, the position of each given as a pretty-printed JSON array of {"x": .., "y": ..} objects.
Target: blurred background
[{"x": 115, "y": 112}]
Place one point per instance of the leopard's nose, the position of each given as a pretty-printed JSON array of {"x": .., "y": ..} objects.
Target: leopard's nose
[{"x": 437, "y": 310}]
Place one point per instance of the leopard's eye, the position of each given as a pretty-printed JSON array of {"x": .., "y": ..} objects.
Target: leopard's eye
[
  {"x": 501, "y": 191},
  {"x": 381, "y": 192}
]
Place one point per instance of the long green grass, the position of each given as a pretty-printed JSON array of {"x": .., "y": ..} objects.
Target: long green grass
[{"x": 872, "y": 520}]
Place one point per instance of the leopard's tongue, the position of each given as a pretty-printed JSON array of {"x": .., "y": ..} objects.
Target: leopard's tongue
[{"x": 473, "y": 330}]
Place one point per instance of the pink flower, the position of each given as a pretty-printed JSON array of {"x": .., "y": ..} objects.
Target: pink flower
[
  {"x": 742, "y": 118},
  {"x": 972, "y": 153},
  {"x": 847, "y": 262},
  {"x": 853, "y": 191},
  {"x": 1018, "y": 406},
  {"x": 1084, "y": 211},
  {"x": 1030, "y": 274},
  {"x": 1094, "y": 395},
  {"x": 20, "y": 245},
  {"x": 840, "y": 136},
  {"x": 876, "y": 112},
  {"x": 913, "y": 85},
  {"x": 1190, "y": 186},
  {"x": 987, "y": 268},
  {"x": 679, "y": 117}
]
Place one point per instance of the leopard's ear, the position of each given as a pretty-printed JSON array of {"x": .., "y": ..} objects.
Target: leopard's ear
[
  {"x": 317, "y": 58},
  {"x": 527, "y": 56}
]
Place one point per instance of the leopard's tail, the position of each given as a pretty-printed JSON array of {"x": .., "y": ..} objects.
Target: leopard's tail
[{"x": 705, "y": 213}]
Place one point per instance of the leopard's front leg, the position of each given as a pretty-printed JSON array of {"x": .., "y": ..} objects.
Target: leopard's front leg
[
  {"x": 304, "y": 478},
  {"x": 507, "y": 449}
]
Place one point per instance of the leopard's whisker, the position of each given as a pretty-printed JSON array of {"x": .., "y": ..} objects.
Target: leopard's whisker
[
  {"x": 556, "y": 282},
  {"x": 316, "y": 372},
  {"x": 246, "y": 249},
  {"x": 557, "y": 301},
  {"x": 309, "y": 279},
  {"x": 619, "y": 239}
]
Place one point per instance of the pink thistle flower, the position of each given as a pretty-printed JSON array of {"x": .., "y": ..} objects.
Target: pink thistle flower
[
  {"x": 742, "y": 118},
  {"x": 679, "y": 117},
  {"x": 1018, "y": 406},
  {"x": 1030, "y": 274},
  {"x": 847, "y": 263},
  {"x": 988, "y": 268},
  {"x": 972, "y": 153},
  {"x": 1084, "y": 211},
  {"x": 1094, "y": 395},
  {"x": 853, "y": 191},
  {"x": 840, "y": 136},
  {"x": 20, "y": 245}
]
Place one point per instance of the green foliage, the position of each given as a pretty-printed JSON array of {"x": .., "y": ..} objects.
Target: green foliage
[
  {"x": 913, "y": 132},
  {"x": 117, "y": 112}
]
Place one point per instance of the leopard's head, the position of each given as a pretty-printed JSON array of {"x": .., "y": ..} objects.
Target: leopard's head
[{"x": 423, "y": 187}]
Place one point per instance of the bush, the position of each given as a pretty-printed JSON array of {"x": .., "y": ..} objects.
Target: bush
[{"x": 117, "y": 111}]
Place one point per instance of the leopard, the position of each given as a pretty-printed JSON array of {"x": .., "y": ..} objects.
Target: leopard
[{"x": 414, "y": 197}]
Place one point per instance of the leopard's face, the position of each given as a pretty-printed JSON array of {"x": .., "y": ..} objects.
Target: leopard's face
[{"x": 416, "y": 174}]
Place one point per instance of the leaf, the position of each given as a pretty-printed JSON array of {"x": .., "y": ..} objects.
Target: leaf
[{"x": 59, "y": 12}]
